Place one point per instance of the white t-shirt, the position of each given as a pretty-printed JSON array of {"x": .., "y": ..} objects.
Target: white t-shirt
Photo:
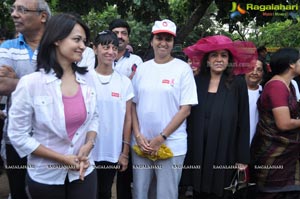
[
  {"x": 111, "y": 104},
  {"x": 160, "y": 90},
  {"x": 296, "y": 89},
  {"x": 253, "y": 112},
  {"x": 88, "y": 59},
  {"x": 125, "y": 63}
]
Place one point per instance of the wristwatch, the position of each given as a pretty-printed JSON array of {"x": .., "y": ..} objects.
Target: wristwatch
[{"x": 163, "y": 135}]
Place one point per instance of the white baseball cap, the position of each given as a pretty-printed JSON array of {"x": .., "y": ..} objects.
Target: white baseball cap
[{"x": 164, "y": 26}]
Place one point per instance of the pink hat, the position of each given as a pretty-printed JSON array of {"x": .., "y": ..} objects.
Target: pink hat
[
  {"x": 164, "y": 26},
  {"x": 244, "y": 53}
]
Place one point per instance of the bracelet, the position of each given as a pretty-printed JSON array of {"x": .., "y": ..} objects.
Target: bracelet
[
  {"x": 125, "y": 156},
  {"x": 125, "y": 142},
  {"x": 137, "y": 136},
  {"x": 163, "y": 135}
]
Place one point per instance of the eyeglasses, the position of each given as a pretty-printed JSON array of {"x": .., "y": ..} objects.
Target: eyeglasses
[{"x": 23, "y": 10}]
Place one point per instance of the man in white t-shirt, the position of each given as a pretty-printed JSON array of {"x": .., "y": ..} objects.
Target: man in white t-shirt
[{"x": 126, "y": 62}]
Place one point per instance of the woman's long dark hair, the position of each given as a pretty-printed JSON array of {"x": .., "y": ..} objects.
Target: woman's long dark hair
[{"x": 58, "y": 28}]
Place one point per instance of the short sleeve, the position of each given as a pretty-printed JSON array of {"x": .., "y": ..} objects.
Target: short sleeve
[{"x": 276, "y": 93}]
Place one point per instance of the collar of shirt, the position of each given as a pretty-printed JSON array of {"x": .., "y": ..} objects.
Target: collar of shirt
[
  {"x": 21, "y": 39},
  {"x": 50, "y": 77},
  {"x": 22, "y": 42},
  {"x": 126, "y": 55}
]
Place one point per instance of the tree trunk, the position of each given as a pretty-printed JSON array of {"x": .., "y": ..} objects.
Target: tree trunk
[{"x": 193, "y": 21}]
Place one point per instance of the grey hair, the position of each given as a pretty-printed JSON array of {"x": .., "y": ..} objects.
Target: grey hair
[{"x": 43, "y": 5}]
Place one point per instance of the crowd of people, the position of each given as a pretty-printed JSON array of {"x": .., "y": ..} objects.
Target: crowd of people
[{"x": 76, "y": 116}]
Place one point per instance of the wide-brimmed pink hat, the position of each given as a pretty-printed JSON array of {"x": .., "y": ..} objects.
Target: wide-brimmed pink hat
[{"x": 244, "y": 53}]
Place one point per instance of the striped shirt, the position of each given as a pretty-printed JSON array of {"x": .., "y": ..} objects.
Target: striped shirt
[{"x": 17, "y": 54}]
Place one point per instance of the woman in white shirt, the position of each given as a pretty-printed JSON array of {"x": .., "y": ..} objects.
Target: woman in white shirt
[
  {"x": 115, "y": 93},
  {"x": 53, "y": 118},
  {"x": 165, "y": 90}
]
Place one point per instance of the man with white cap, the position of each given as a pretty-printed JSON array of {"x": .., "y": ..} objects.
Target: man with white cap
[{"x": 164, "y": 90}]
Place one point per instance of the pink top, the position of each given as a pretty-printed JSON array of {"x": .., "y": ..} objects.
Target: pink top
[{"x": 75, "y": 112}]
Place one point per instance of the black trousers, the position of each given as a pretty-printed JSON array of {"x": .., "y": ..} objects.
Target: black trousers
[
  {"x": 16, "y": 177},
  {"x": 106, "y": 172},
  {"x": 124, "y": 180},
  {"x": 77, "y": 189}
]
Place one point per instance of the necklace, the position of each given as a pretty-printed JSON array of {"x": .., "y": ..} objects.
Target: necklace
[{"x": 105, "y": 83}]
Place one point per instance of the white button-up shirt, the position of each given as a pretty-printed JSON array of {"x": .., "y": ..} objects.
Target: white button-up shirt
[{"x": 37, "y": 107}]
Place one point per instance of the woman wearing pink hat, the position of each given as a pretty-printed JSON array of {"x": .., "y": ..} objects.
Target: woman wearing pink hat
[{"x": 220, "y": 122}]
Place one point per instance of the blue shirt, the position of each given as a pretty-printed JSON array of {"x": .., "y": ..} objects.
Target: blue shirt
[{"x": 19, "y": 55}]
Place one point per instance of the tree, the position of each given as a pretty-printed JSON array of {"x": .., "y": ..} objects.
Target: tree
[
  {"x": 278, "y": 34},
  {"x": 194, "y": 18},
  {"x": 98, "y": 21},
  {"x": 6, "y": 24}
]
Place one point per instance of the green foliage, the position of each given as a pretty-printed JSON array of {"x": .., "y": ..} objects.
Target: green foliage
[
  {"x": 98, "y": 21},
  {"x": 280, "y": 34},
  {"x": 53, "y": 4},
  {"x": 146, "y": 11},
  {"x": 139, "y": 36},
  {"x": 141, "y": 14},
  {"x": 6, "y": 24},
  {"x": 179, "y": 10},
  {"x": 207, "y": 26}
]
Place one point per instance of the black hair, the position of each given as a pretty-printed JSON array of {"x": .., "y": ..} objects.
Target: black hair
[
  {"x": 152, "y": 36},
  {"x": 3, "y": 34},
  {"x": 58, "y": 28},
  {"x": 116, "y": 23},
  {"x": 261, "y": 49},
  {"x": 106, "y": 37},
  {"x": 282, "y": 58},
  {"x": 264, "y": 64},
  {"x": 266, "y": 73}
]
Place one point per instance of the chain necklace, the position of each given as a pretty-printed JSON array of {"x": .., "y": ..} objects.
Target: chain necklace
[{"x": 105, "y": 83}]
